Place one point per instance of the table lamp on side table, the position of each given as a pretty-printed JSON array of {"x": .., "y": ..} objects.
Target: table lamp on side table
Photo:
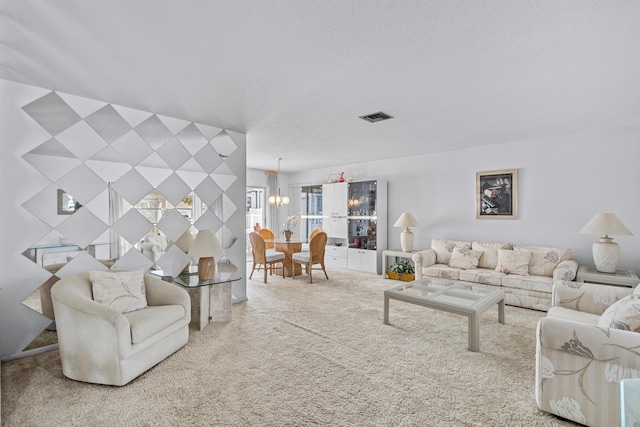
[
  {"x": 406, "y": 220},
  {"x": 206, "y": 248},
  {"x": 606, "y": 253}
]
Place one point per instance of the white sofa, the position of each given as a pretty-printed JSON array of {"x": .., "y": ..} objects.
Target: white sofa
[
  {"x": 588, "y": 342},
  {"x": 525, "y": 273}
]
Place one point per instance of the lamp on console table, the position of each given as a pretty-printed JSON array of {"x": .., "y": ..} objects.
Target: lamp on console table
[
  {"x": 206, "y": 247},
  {"x": 406, "y": 220},
  {"x": 606, "y": 253}
]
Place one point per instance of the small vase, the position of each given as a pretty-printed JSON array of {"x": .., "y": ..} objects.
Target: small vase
[{"x": 287, "y": 235}]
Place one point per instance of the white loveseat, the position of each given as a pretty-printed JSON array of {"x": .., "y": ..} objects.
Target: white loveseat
[
  {"x": 525, "y": 273},
  {"x": 587, "y": 343}
]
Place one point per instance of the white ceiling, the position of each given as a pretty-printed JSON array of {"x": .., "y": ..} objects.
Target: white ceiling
[{"x": 296, "y": 74}]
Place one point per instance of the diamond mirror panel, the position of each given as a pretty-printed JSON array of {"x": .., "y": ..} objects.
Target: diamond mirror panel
[{"x": 125, "y": 186}]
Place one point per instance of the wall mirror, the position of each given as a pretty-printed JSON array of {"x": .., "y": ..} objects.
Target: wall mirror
[
  {"x": 67, "y": 205},
  {"x": 126, "y": 185}
]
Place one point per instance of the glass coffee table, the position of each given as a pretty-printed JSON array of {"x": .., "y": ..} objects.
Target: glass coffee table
[{"x": 456, "y": 297}]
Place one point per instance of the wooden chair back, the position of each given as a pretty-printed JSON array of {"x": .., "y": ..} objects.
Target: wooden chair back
[
  {"x": 317, "y": 247},
  {"x": 267, "y": 235},
  {"x": 258, "y": 247},
  {"x": 314, "y": 232}
]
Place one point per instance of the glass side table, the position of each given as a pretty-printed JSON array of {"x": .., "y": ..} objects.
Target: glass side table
[
  {"x": 211, "y": 300},
  {"x": 630, "y": 402}
]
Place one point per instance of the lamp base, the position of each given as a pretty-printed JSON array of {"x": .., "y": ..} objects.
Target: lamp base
[
  {"x": 206, "y": 268},
  {"x": 406, "y": 240},
  {"x": 606, "y": 255}
]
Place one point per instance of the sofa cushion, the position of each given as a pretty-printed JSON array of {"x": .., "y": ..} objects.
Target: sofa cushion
[
  {"x": 442, "y": 271},
  {"x": 444, "y": 249},
  {"x": 464, "y": 258},
  {"x": 145, "y": 323},
  {"x": 489, "y": 258},
  {"x": 483, "y": 276},
  {"x": 529, "y": 283},
  {"x": 123, "y": 291},
  {"x": 624, "y": 314},
  {"x": 544, "y": 260},
  {"x": 514, "y": 261}
]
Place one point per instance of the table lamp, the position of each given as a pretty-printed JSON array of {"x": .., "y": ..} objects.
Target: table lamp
[
  {"x": 406, "y": 220},
  {"x": 606, "y": 253},
  {"x": 206, "y": 247},
  {"x": 185, "y": 242}
]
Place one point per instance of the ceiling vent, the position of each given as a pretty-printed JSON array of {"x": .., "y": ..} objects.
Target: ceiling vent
[{"x": 376, "y": 117}]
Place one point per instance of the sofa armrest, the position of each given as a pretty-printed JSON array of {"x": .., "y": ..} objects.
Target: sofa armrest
[
  {"x": 592, "y": 298},
  {"x": 160, "y": 292},
  {"x": 566, "y": 270},
  {"x": 423, "y": 259},
  {"x": 84, "y": 324}
]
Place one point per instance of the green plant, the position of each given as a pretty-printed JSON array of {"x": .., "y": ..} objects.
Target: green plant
[{"x": 403, "y": 267}]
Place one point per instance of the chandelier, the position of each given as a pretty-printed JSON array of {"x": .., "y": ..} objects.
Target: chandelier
[{"x": 277, "y": 199}]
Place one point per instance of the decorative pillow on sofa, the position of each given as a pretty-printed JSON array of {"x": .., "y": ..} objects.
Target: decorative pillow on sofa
[
  {"x": 123, "y": 291},
  {"x": 514, "y": 261},
  {"x": 444, "y": 249},
  {"x": 489, "y": 258},
  {"x": 624, "y": 314},
  {"x": 464, "y": 258},
  {"x": 545, "y": 260}
]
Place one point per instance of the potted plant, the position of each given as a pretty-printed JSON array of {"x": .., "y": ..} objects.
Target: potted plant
[{"x": 402, "y": 271}]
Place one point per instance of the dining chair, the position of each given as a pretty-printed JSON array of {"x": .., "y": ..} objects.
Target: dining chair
[
  {"x": 314, "y": 256},
  {"x": 267, "y": 235},
  {"x": 263, "y": 257}
]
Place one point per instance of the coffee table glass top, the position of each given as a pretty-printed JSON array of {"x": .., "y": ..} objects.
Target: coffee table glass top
[
  {"x": 224, "y": 273},
  {"x": 449, "y": 292}
]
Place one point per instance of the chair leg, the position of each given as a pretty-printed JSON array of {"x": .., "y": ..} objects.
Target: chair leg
[
  {"x": 252, "y": 270},
  {"x": 265, "y": 272},
  {"x": 293, "y": 273},
  {"x": 309, "y": 272},
  {"x": 325, "y": 271},
  {"x": 282, "y": 262}
]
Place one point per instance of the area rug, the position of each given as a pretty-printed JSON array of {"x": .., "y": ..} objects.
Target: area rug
[{"x": 300, "y": 354}]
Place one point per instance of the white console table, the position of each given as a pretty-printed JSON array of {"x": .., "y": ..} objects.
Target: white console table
[{"x": 398, "y": 253}]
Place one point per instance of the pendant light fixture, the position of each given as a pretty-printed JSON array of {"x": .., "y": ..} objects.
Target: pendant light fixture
[{"x": 277, "y": 199}]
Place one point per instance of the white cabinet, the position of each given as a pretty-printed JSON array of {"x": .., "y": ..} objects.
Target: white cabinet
[
  {"x": 334, "y": 199},
  {"x": 335, "y": 257},
  {"x": 363, "y": 260},
  {"x": 335, "y": 227},
  {"x": 334, "y": 210}
]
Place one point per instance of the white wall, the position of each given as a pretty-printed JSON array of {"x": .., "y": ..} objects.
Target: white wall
[{"x": 563, "y": 182}]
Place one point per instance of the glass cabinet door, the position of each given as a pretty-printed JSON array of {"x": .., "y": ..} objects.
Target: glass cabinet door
[
  {"x": 362, "y": 198},
  {"x": 310, "y": 209},
  {"x": 362, "y": 233}
]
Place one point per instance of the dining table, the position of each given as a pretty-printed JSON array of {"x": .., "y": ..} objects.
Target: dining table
[{"x": 288, "y": 248}]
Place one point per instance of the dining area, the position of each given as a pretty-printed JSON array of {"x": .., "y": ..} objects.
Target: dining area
[{"x": 285, "y": 255}]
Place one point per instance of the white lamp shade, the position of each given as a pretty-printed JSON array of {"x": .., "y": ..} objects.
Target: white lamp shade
[
  {"x": 185, "y": 241},
  {"x": 406, "y": 220},
  {"x": 206, "y": 245},
  {"x": 605, "y": 224}
]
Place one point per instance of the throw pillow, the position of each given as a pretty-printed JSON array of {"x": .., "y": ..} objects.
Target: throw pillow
[
  {"x": 624, "y": 314},
  {"x": 444, "y": 249},
  {"x": 489, "y": 258},
  {"x": 464, "y": 258},
  {"x": 123, "y": 291},
  {"x": 514, "y": 261},
  {"x": 545, "y": 260}
]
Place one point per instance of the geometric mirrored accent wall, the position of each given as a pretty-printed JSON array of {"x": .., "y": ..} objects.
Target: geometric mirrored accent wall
[{"x": 125, "y": 185}]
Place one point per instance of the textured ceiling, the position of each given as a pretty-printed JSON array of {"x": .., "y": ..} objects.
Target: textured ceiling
[{"x": 295, "y": 75}]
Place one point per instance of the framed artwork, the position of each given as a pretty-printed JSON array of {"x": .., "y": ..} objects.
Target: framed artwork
[{"x": 496, "y": 194}]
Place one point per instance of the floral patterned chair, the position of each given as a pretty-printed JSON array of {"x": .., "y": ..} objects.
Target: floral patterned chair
[{"x": 588, "y": 342}]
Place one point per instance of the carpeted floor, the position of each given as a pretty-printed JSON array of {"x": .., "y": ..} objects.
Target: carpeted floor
[{"x": 300, "y": 354}]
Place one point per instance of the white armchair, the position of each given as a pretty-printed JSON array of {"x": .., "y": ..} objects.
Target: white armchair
[
  {"x": 579, "y": 363},
  {"x": 101, "y": 345}
]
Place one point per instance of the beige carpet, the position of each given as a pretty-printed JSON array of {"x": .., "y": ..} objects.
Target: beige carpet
[{"x": 300, "y": 354}]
